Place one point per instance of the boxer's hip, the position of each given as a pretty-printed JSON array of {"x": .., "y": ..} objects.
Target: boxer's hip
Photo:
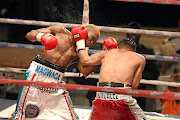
[
  {"x": 123, "y": 104},
  {"x": 113, "y": 96},
  {"x": 46, "y": 71}
]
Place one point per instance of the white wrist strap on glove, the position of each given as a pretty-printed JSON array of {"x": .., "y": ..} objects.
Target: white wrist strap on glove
[
  {"x": 80, "y": 44},
  {"x": 38, "y": 36}
]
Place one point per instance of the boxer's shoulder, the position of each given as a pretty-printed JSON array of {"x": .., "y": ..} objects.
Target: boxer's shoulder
[{"x": 59, "y": 29}]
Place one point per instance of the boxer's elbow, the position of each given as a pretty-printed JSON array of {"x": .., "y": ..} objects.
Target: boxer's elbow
[
  {"x": 85, "y": 73},
  {"x": 31, "y": 35}
]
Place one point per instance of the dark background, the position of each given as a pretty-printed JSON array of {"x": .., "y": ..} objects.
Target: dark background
[{"x": 102, "y": 12}]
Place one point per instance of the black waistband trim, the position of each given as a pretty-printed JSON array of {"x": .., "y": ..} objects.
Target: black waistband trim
[
  {"x": 40, "y": 60},
  {"x": 112, "y": 84}
]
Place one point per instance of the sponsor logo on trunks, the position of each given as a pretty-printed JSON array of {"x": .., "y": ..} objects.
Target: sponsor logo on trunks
[
  {"x": 47, "y": 72},
  {"x": 31, "y": 111},
  {"x": 48, "y": 90},
  {"x": 111, "y": 96},
  {"x": 107, "y": 96}
]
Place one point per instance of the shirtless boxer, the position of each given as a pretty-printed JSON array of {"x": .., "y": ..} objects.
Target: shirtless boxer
[
  {"x": 121, "y": 68},
  {"x": 58, "y": 53}
]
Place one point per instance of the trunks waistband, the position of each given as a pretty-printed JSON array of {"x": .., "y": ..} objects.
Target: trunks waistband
[
  {"x": 111, "y": 96},
  {"x": 40, "y": 60},
  {"x": 113, "y": 84}
]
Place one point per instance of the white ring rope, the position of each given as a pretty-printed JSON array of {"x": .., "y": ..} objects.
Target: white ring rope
[
  {"x": 71, "y": 74},
  {"x": 102, "y": 28}
]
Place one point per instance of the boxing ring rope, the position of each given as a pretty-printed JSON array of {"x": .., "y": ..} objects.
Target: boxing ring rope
[
  {"x": 163, "y": 2},
  {"x": 132, "y": 92},
  {"x": 90, "y": 51},
  {"x": 101, "y": 28},
  {"x": 71, "y": 74}
]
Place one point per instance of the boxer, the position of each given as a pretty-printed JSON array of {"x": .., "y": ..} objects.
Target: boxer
[
  {"x": 58, "y": 53},
  {"x": 120, "y": 68}
]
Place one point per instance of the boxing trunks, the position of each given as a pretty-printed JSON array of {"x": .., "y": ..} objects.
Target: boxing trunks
[
  {"x": 111, "y": 106},
  {"x": 33, "y": 100}
]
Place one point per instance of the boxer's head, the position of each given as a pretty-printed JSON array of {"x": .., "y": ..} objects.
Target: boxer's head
[
  {"x": 128, "y": 44},
  {"x": 93, "y": 34}
]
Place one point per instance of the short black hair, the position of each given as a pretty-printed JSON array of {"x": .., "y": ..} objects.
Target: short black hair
[
  {"x": 129, "y": 43},
  {"x": 134, "y": 25}
]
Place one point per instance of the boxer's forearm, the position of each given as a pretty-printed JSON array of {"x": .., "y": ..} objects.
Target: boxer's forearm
[
  {"x": 93, "y": 60},
  {"x": 86, "y": 70},
  {"x": 83, "y": 57}
]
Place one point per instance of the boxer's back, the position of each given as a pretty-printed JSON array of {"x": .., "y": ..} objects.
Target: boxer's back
[
  {"x": 64, "y": 53},
  {"x": 119, "y": 66}
]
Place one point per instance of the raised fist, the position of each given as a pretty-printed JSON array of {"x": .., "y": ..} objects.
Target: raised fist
[{"x": 79, "y": 33}]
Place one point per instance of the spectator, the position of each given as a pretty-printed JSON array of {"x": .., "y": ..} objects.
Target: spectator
[
  {"x": 151, "y": 70},
  {"x": 175, "y": 39},
  {"x": 170, "y": 47},
  {"x": 171, "y": 106},
  {"x": 167, "y": 49},
  {"x": 175, "y": 76}
]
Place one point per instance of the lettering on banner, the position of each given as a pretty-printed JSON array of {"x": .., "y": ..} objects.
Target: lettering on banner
[
  {"x": 81, "y": 88},
  {"x": 177, "y": 95},
  {"x": 107, "y": 90},
  {"x": 155, "y": 93},
  {"x": 132, "y": 92}
]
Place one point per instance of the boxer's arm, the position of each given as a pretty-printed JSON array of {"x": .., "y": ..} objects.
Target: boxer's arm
[
  {"x": 138, "y": 74},
  {"x": 86, "y": 70},
  {"x": 94, "y": 59},
  {"x": 31, "y": 36},
  {"x": 51, "y": 29},
  {"x": 58, "y": 29}
]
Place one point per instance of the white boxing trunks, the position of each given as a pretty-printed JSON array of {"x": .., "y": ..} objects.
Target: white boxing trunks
[
  {"x": 111, "y": 106},
  {"x": 32, "y": 100}
]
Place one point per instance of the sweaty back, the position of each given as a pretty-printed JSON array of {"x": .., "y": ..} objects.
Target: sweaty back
[
  {"x": 118, "y": 66},
  {"x": 64, "y": 53}
]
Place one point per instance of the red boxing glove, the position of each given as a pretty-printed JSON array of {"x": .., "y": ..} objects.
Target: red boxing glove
[
  {"x": 79, "y": 33},
  {"x": 47, "y": 39},
  {"x": 109, "y": 43}
]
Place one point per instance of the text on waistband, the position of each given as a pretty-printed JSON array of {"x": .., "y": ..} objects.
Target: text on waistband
[{"x": 47, "y": 72}]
